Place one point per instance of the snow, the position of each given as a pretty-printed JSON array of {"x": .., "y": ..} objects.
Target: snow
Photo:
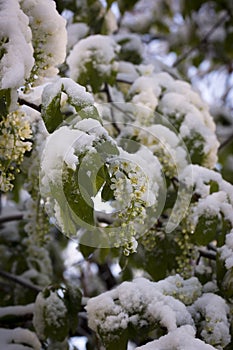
[
  {"x": 49, "y": 312},
  {"x": 210, "y": 204},
  {"x": 226, "y": 251},
  {"x": 17, "y": 61},
  {"x": 182, "y": 338},
  {"x": 76, "y": 32},
  {"x": 145, "y": 92},
  {"x": 17, "y": 310},
  {"x": 177, "y": 102},
  {"x": 92, "y": 127},
  {"x": 49, "y": 36},
  {"x": 110, "y": 22},
  {"x": 77, "y": 94},
  {"x": 186, "y": 291},
  {"x": 142, "y": 303},
  {"x": 133, "y": 303},
  {"x": 158, "y": 137},
  {"x": 11, "y": 339},
  {"x": 100, "y": 50},
  {"x": 148, "y": 172},
  {"x": 130, "y": 42},
  {"x": 59, "y": 148},
  {"x": 215, "y": 325}
]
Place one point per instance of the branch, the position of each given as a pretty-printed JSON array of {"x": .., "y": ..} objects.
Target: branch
[
  {"x": 207, "y": 254},
  {"x": 109, "y": 98},
  {"x": 204, "y": 39},
  {"x": 147, "y": 38},
  {"x": 121, "y": 80},
  {"x": 20, "y": 280},
  {"x": 12, "y": 217},
  {"x": 17, "y": 310},
  {"x": 226, "y": 142},
  {"x": 21, "y": 102}
]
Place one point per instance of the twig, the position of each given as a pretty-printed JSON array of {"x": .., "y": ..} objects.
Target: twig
[
  {"x": 212, "y": 247},
  {"x": 20, "y": 280},
  {"x": 6, "y": 218},
  {"x": 121, "y": 80},
  {"x": 109, "y": 97},
  {"x": 207, "y": 254},
  {"x": 21, "y": 101},
  {"x": 225, "y": 143},
  {"x": 17, "y": 310},
  {"x": 147, "y": 38},
  {"x": 204, "y": 39}
]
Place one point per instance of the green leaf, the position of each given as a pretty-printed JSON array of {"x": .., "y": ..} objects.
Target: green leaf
[
  {"x": 51, "y": 113},
  {"x": 86, "y": 250},
  {"x": 51, "y": 103},
  {"x": 92, "y": 172},
  {"x": 53, "y": 329},
  {"x": 205, "y": 231},
  {"x": 109, "y": 3},
  {"x": 195, "y": 145},
  {"x": 191, "y": 6},
  {"x": 101, "y": 177},
  {"x": 5, "y": 101},
  {"x": 78, "y": 197},
  {"x": 117, "y": 341},
  {"x": 214, "y": 186},
  {"x": 225, "y": 229},
  {"x": 126, "y": 5},
  {"x": 107, "y": 193},
  {"x": 88, "y": 112},
  {"x": 228, "y": 46},
  {"x": 73, "y": 301}
]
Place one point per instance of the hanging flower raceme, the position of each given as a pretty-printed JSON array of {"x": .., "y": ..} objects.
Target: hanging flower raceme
[{"x": 15, "y": 133}]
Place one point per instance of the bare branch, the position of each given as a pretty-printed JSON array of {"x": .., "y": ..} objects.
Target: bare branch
[
  {"x": 20, "y": 280},
  {"x": 109, "y": 97},
  {"x": 226, "y": 142},
  {"x": 7, "y": 218},
  {"x": 21, "y": 102},
  {"x": 207, "y": 254},
  {"x": 203, "y": 40},
  {"x": 17, "y": 310}
]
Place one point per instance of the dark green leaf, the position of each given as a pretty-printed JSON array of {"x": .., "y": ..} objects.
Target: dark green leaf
[
  {"x": 118, "y": 341},
  {"x": 126, "y": 5},
  {"x": 52, "y": 114},
  {"x": 5, "y": 101},
  {"x": 73, "y": 300},
  {"x": 214, "y": 187},
  {"x": 78, "y": 198},
  {"x": 205, "y": 231}
]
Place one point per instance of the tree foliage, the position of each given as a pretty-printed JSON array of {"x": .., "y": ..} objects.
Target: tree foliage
[{"x": 112, "y": 159}]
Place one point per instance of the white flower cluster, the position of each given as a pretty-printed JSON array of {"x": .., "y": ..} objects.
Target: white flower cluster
[
  {"x": 135, "y": 180},
  {"x": 164, "y": 143},
  {"x": 15, "y": 131},
  {"x": 80, "y": 139}
]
